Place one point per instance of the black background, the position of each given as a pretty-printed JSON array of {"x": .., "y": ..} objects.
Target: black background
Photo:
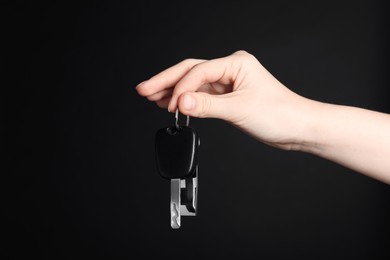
[{"x": 79, "y": 178}]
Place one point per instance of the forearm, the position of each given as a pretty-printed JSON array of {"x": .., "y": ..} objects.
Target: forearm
[{"x": 356, "y": 138}]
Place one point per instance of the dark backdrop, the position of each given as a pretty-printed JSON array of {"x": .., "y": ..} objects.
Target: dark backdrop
[{"x": 79, "y": 177}]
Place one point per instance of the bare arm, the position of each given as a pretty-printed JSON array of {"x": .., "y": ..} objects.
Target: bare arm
[
  {"x": 356, "y": 138},
  {"x": 239, "y": 90}
]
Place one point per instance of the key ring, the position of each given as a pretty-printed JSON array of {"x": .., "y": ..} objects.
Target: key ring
[{"x": 177, "y": 119}]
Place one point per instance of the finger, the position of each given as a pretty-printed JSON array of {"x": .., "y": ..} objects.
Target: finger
[
  {"x": 217, "y": 70},
  {"x": 213, "y": 88},
  {"x": 161, "y": 95},
  {"x": 163, "y": 103},
  {"x": 199, "y": 104},
  {"x": 167, "y": 78}
]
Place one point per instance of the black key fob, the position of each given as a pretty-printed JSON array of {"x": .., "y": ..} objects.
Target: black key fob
[{"x": 176, "y": 152}]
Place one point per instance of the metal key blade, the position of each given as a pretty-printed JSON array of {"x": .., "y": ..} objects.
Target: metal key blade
[
  {"x": 175, "y": 203},
  {"x": 189, "y": 202}
]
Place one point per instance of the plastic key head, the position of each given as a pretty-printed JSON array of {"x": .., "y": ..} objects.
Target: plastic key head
[{"x": 176, "y": 152}]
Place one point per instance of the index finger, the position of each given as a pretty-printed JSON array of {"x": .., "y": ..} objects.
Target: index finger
[{"x": 167, "y": 78}]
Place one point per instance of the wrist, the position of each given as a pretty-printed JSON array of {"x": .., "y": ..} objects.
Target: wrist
[
  {"x": 309, "y": 126},
  {"x": 297, "y": 121}
]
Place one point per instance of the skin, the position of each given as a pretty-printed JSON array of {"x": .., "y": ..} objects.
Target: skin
[{"x": 239, "y": 90}]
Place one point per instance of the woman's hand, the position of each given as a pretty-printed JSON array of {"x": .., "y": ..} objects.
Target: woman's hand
[{"x": 237, "y": 89}]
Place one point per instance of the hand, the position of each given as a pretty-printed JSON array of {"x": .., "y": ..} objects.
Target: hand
[{"x": 237, "y": 89}]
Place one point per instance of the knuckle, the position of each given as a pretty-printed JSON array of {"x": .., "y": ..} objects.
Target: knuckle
[
  {"x": 189, "y": 61},
  {"x": 197, "y": 71},
  {"x": 241, "y": 52},
  {"x": 245, "y": 56}
]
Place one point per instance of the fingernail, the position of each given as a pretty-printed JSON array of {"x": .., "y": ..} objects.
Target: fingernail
[
  {"x": 169, "y": 104},
  {"x": 188, "y": 102},
  {"x": 140, "y": 84}
]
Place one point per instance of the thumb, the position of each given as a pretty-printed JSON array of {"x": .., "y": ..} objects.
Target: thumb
[{"x": 203, "y": 105}]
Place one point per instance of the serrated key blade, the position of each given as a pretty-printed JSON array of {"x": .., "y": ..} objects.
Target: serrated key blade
[{"x": 175, "y": 203}]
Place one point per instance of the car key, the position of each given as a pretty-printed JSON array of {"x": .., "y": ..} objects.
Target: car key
[{"x": 176, "y": 150}]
